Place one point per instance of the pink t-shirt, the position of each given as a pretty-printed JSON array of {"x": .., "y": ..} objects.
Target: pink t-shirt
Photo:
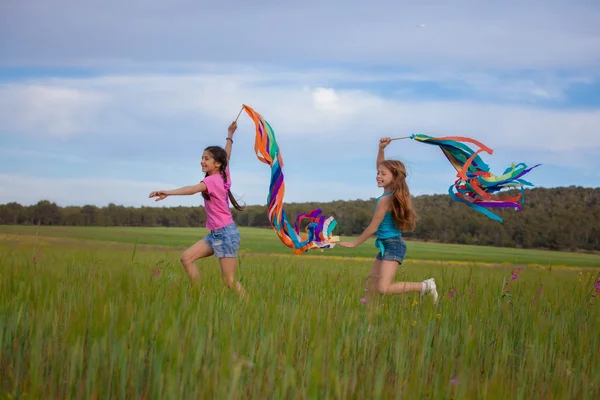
[{"x": 218, "y": 214}]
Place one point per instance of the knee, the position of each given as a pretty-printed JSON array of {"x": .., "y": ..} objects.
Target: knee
[
  {"x": 186, "y": 258},
  {"x": 382, "y": 288},
  {"x": 371, "y": 283}
]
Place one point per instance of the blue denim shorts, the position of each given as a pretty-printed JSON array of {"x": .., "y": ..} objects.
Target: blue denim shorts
[
  {"x": 224, "y": 241},
  {"x": 394, "y": 249}
]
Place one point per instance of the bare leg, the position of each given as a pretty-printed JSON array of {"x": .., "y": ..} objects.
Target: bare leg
[
  {"x": 198, "y": 250},
  {"x": 228, "y": 268},
  {"x": 386, "y": 276},
  {"x": 371, "y": 287},
  {"x": 371, "y": 281}
]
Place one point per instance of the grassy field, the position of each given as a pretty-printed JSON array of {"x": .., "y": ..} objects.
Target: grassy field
[
  {"x": 265, "y": 241},
  {"x": 87, "y": 313}
]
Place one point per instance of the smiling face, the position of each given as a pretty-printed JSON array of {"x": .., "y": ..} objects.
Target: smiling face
[
  {"x": 384, "y": 177},
  {"x": 208, "y": 163}
]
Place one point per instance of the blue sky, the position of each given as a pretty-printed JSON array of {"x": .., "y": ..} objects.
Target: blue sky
[{"x": 106, "y": 101}]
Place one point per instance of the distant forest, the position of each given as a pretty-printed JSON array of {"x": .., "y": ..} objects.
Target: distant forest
[{"x": 566, "y": 218}]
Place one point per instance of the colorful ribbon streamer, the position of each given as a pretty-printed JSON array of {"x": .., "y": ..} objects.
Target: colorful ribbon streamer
[
  {"x": 476, "y": 185},
  {"x": 319, "y": 228}
]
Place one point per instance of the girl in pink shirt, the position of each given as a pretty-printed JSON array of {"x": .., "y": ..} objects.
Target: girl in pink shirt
[{"x": 223, "y": 240}]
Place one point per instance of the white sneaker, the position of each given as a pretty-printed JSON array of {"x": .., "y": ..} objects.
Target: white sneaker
[{"x": 430, "y": 288}]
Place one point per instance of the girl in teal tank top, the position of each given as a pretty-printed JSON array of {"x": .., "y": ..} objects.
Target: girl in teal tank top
[
  {"x": 387, "y": 228},
  {"x": 394, "y": 213}
]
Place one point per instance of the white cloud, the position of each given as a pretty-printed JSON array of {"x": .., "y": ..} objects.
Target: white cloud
[
  {"x": 124, "y": 130},
  {"x": 326, "y": 99},
  {"x": 47, "y": 109},
  {"x": 152, "y": 106}
]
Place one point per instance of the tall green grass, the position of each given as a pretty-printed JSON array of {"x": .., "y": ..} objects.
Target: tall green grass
[{"x": 113, "y": 323}]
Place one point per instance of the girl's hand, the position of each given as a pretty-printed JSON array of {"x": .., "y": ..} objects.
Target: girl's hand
[
  {"x": 383, "y": 142},
  {"x": 349, "y": 245},
  {"x": 232, "y": 128},
  {"x": 161, "y": 194}
]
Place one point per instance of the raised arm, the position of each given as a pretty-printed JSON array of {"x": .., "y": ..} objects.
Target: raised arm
[
  {"x": 383, "y": 142},
  {"x": 229, "y": 141}
]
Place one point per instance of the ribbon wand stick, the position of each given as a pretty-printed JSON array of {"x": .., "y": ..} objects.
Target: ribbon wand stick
[{"x": 240, "y": 113}]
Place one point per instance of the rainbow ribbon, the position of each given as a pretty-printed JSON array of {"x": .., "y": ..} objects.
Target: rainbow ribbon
[
  {"x": 475, "y": 184},
  {"x": 319, "y": 228}
]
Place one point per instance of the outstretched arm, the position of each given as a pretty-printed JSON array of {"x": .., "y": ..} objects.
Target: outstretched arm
[
  {"x": 229, "y": 141},
  {"x": 382, "y": 208},
  {"x": 383, "y": 142},
  {"x": 186, "y": 190}
]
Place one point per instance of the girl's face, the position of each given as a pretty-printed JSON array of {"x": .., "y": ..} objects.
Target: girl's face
[
  {"x": 208, "y": 163},
  {"x": 384, "y": 177}
]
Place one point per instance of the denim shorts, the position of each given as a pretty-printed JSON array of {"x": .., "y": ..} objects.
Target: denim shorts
[
  {"x": 394, "y": 249},
  {"x": 224, "y": 241}
]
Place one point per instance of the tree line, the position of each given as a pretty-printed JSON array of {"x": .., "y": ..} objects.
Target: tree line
[{"x": 565, "y": 218}]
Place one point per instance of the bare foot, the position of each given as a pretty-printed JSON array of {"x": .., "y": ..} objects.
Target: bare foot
[{"x": 240, "y": 290}]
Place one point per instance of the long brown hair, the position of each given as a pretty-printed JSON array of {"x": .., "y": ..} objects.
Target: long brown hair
[
  {"x": 403, "y": 211},
  {"x": 220, "y": 156}
]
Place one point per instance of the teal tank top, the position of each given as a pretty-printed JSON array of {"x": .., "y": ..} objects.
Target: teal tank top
[{"x": 387, "y": 228}]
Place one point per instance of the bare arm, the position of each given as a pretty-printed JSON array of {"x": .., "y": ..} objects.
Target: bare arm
[
  {"x": 382, "y": 208},
  {"x": 186, "y": 190},
  {"x": 228, "y": 148},
  {"x": 380, "y": 154},
  {"x": 380, "y": 157},
  {"x": 229, "y": 140}
]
